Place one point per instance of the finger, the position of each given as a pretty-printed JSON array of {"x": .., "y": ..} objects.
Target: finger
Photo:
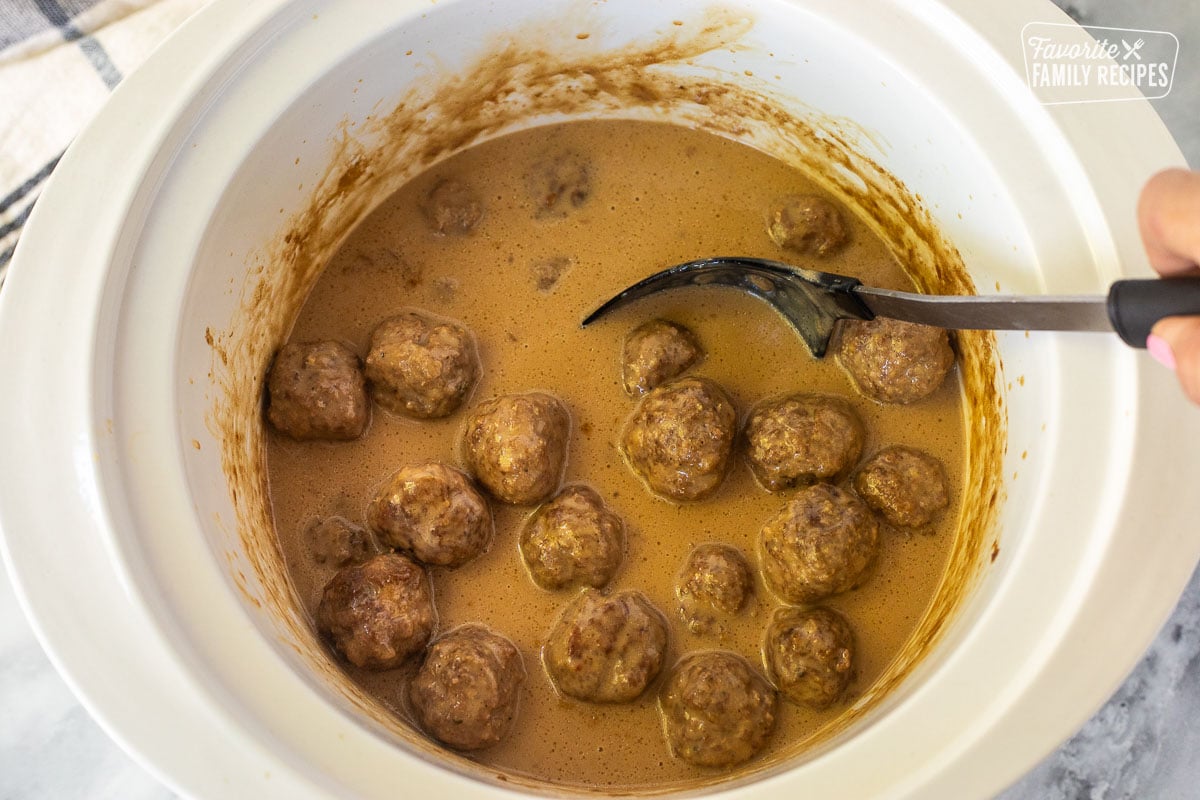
[
  {"x": 1169, "y": 219},
  {"x": 1181, "y": 336}
]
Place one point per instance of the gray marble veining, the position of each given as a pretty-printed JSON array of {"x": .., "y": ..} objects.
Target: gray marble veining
[{"x": 1144, "y": 743}]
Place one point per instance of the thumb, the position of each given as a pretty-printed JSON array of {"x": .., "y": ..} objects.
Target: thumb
[{"x": 1175, "y": 342}]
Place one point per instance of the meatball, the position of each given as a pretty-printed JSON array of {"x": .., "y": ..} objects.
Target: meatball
[
  {"x": 434, "y": 512},
  {"x": 379, "y": 612},
  {"x": 452, "y": 207},
  {"x": 894, "y": 361},
  {"x": 906, "y": 485},
  {"x": 560, "y": 184},
  {"x": 547, "y": 272},
  {"x": 421, "y": 366},
  {"x": 680, "y": 437},
  {"x": 819, "y": 544},
  {"x": 316, "y": 391},
  {"x": 807, "y": 223},
  {"x": 466, "y": 692},
  {"x": 573, "y": 540},
  {"x": 606, "y": 649},
  {"x": 809, "y": 655},
  {"x": 714, "y": 582},
  {"x": 717, "y": 710},
  {"x": 516, "y": 446},
  {"x": 336, "y": 541},
  {"x": 656, "y": 352},
  {"x": 801, "y": 439}
]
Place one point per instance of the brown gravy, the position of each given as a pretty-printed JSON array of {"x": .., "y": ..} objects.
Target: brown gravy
[{"x": 661, "y": 194}]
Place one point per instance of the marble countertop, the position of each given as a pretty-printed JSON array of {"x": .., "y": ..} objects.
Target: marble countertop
[{"x": 1144, "y": 743}]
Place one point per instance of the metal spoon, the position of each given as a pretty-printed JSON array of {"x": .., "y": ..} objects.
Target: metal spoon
[{"x": 814, "y": 301}]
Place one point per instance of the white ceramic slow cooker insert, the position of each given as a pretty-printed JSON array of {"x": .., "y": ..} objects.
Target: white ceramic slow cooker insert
[{"x": 118, "y": 523}]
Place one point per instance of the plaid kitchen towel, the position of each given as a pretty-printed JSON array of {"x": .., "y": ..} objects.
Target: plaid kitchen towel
[{"x": 59, "y": 59}]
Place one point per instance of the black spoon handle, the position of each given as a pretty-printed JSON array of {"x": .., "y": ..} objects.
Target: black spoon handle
[{"x": 1134, "y": 306}]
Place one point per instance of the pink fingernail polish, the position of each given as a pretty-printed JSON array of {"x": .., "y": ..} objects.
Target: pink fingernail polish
[{"x": 1160, "y": 351}]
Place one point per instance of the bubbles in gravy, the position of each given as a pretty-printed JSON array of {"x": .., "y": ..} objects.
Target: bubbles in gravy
[{"x": 563, "y": 217}]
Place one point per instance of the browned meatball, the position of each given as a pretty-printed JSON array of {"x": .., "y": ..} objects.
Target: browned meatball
[
  {"x": 316, "y": 391},
  {"x": 819, "y": 544},
  {"x": 717, "y": 710},
  {"x": 433, "y": 511},
  {"x": 800, "y": 439},
  {"x": 656, "y": 352},
  {"x": 715, "y": 582},
  {"x": 421, "y": 366},
  {"x": 452, "y": 207},
  {"x": 606, "y": 649},
  {"x": 573, "y": 540},
  {"x": 680, "y": 437},
  {"x": 807, "y": 223},
  {"x": 809, "y": 655},
  {"x": 906, "y": 485},
  {"x": 379, "y": 612},
  {"x": 516, "y": 446},
  {"x": 466, "y": 692},
  {"x": 559, "y": 184},
  {"x": 336, "y": 541},
  {"x": 894, "y": 361}
]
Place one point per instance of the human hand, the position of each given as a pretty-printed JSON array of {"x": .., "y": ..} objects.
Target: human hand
[{"x": 1169, "y": 219}]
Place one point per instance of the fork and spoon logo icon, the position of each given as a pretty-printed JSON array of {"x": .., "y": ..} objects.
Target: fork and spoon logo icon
[{"x": 1131, "y": 50}]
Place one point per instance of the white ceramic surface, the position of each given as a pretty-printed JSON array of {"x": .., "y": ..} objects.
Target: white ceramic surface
[{"x": 180, "y": 179}]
